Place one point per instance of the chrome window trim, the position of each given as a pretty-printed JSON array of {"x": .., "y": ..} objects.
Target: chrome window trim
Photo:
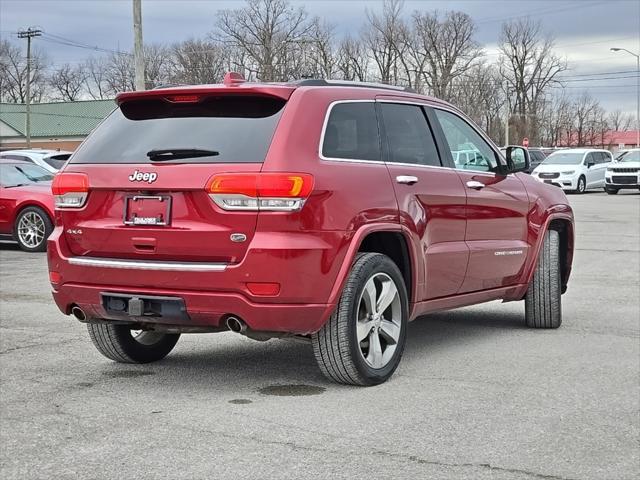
[
  {"x": 407, "y": 102},
  {"x": 324, "y": 129},
  {"x": 147, "y": 264}
]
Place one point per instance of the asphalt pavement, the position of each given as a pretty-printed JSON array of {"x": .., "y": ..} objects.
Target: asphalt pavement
[{"x": 477, "y": 394}]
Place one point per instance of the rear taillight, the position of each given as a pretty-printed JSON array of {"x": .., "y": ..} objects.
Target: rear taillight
[
  {"x": 276, "y": 192},
  {"x": 70, "y": 189}
]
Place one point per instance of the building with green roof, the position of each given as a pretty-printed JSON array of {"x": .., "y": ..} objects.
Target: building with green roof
[{"x": 58, "y": 125}]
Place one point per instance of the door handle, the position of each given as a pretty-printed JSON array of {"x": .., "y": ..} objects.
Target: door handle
[
  {"x": 475, "y": 185},
  {"x": 406, "y": 179}
]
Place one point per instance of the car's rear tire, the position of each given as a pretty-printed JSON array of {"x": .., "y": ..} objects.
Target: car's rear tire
[
  {"x": 32, "y": 228},
  {"x": 611, "y": 190},
  {"x": 543, "y": 306},
  {"x": 363, "y": 341},
  {"x": 581, "y": 187},
  {"x": 120, "y": 344}
]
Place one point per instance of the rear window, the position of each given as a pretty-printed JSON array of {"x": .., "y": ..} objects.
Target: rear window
[
  {"x": 57, "y": 161},
  {"x": 238, "y": 128},
  {"x": 352, "y": 132}
]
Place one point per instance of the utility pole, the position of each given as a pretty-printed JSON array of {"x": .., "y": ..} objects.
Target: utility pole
[
  {"x": 28, "y": 34},
  {"x": 138, "y": 53},
  {"x": 637, "y": 55}
]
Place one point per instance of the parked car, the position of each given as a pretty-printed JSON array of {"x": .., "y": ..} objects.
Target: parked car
[
  {"x": 624, "y": 172},
  {"x": 536, "y": 156},
  {"x": 26, "y": 204},
  {"x": 50, "y": 160},
  {"x": 575, "y": 169},
  {"x": 332, "y": 211}
]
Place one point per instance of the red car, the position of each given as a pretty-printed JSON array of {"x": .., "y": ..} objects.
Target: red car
[
  {"x": 26, "y": 204},
  {"x": 332, "y": 211}
]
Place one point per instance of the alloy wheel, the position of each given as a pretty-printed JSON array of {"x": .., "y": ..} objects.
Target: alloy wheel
[
  {"x": 379, "y": 321},
  {"x": 31, "y": 230}
]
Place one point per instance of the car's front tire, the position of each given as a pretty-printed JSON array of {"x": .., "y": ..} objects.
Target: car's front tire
[
  {"x": 32, "y": 228},
  {"x": 543, "y": 306},
  {"x": 581, "y": 187},
  {"x": 363, "y": 341},
  {"x": 611, "y": 190},
  {"x": 124, "y": 345}
]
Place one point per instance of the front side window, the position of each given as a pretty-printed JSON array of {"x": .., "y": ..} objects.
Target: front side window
[
  {"x": 468, "y": 149},
  {"x": 352, "y": 132},
  {"x": 409, "y": 135}
]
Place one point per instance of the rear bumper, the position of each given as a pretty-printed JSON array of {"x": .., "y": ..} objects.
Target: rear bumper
[{"x": 305, "y": 265}]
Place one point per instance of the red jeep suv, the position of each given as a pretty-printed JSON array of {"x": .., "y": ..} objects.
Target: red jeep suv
[{"x": 333, "y": 211}]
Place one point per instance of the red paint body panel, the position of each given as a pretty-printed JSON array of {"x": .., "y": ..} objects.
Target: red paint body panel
[
  {"x": 452, "y": 233},
  {"x": 15, "y": 199}
]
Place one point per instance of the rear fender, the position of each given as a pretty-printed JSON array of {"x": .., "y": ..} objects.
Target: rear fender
[{"x": 354, "y": 246}]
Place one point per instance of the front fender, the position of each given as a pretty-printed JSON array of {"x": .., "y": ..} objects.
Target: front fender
[{"x": 538, "y": 225}]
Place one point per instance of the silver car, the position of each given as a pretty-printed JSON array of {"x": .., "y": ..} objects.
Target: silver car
[{"x": 50, "y": 160}]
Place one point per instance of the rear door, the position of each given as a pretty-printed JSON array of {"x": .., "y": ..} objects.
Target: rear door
[
  {"x": 497, "y": 206},
  {"x": 139, "y": 205},
  {"x": 431, "y": 199}
]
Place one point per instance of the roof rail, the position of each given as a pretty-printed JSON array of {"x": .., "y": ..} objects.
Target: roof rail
[{"x": 312, "y": 82}]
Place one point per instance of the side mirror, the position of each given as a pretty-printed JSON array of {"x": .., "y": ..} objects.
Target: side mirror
[
  {"x": 590, "y": 164},
  {"x": 517, "y": 159}
]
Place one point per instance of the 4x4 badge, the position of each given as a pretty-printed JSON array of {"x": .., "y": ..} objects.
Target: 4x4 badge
[{"x": 148, "y": 177}]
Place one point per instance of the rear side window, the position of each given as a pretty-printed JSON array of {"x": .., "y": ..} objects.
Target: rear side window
[
  {"x": 238, "y": 128},
  {"x": 352, "y": 132},
  {"x": 409, "y": 135}
]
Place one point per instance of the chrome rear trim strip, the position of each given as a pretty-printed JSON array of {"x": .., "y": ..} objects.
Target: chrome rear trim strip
[{"x": 148, "y": 265}]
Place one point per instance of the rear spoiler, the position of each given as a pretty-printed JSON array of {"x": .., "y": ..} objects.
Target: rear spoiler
[{"x": 192, "y": 94}]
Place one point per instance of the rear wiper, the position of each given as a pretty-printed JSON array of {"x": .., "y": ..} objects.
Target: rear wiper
[
  {"x": 16, "y": 185},
  {"x": 178, "y": 153}
]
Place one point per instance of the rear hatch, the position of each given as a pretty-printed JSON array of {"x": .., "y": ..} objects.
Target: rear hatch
[{"x": 147, "y": 167}]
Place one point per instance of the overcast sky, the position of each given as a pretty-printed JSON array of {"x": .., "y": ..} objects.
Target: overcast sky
[{"x": 584, "y": 29}]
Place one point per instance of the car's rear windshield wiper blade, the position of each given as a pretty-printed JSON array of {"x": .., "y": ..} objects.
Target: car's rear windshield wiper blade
[
  {"x": 16, "y": 185},
  {"x": 177, "y": 153}
]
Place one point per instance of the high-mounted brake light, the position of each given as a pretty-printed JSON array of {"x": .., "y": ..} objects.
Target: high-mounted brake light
[
  {"x": 70, "y": 189},
  {"x": 284, "y": 192},
  {"x": 183, "y": 98}
]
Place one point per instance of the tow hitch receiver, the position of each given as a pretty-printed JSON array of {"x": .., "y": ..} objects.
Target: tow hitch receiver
[{"x": 158, "y": 308}]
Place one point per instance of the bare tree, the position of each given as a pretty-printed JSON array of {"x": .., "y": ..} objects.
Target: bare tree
[
  {"x": 586, "y": 111},
  {"x": 266, "y": 31},
  {"x": 529, "y": 68},
  {"x": 67, "y": 82},
  {"x": 323, "y": 51},
  {"x": 95, "y": 82},
  {"x": 198, "y": 61},
  {"x": 13, "y": 74},
  {"x": 444, "y": 49},
  {"x": 353, "y": 60},
  {"x": 385, "y": 36},
  {"x": 619, "y": 121},
  {"x": 477, "y": 92}
]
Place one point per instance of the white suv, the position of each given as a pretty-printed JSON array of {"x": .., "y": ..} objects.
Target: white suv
[
  {"x": 624, "y": 172},
  {"x": 50, "y": 160},
  {"x": 576, "y": 169}
]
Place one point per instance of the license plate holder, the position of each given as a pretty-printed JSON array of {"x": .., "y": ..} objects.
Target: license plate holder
[{"x": 147, "y": 210}]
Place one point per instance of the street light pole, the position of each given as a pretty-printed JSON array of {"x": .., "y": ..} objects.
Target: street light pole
[{"x": 615, "y": 49}]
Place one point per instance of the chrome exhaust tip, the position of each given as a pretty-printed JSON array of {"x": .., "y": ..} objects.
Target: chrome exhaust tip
[
  {"x": 236, "y": 325},
  {"x": 79, "y": 313}
]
